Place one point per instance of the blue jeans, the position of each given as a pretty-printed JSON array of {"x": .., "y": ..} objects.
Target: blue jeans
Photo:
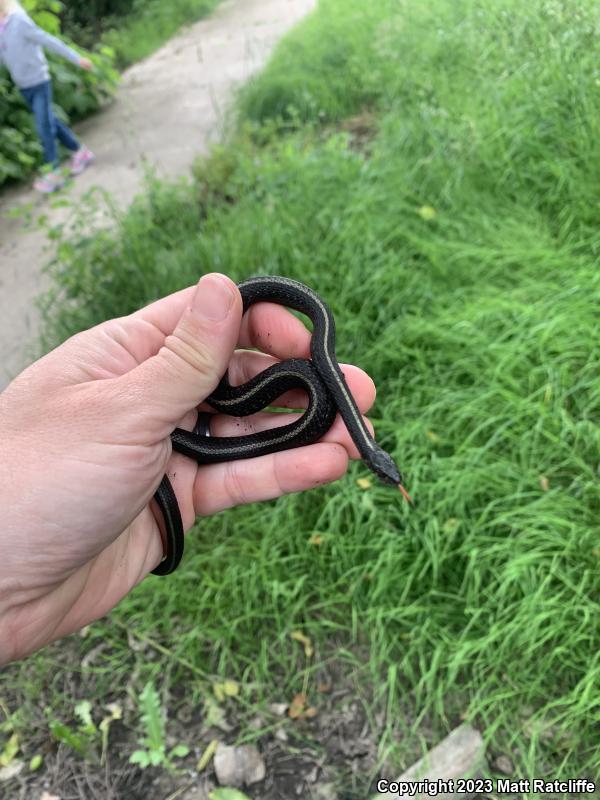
[{"x": 49, "y": 128}]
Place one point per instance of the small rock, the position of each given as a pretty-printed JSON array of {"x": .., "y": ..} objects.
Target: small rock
[
  {"x": 11, "y": 770},
  {"x": 281, "y": 734},
  {"x": 239, "y": 766},
  {"x": 324, "y": 791},
  {"x": 279, "y": 709},
  {"x": 504, "y": 765}
]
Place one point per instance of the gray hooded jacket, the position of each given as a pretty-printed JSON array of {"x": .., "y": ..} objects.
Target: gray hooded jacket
[{"x": 22, "y": 46}]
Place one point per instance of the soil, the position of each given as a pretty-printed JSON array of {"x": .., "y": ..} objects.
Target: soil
[
  {"x": 333, "y": 755},
  {"x": 168, "y": 110}
]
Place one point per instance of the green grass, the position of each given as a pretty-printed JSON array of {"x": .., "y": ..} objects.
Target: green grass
[
  {"x": 480, "y": 327},
  {"x": 151, "y": 24}
]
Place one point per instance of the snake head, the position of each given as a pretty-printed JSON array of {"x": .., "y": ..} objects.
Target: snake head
[{"x": 384, "y": 466}]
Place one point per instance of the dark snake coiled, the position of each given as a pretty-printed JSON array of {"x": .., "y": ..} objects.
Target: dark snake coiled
[{"x": 321, "y": 378}]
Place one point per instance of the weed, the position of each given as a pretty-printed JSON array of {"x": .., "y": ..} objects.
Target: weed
[{"x": 154, "y": 748}]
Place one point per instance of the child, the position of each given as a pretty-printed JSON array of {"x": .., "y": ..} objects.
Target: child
[{"x": 22, "y": 46}]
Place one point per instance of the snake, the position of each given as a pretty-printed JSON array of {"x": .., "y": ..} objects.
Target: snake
[{"x": 320, "y": 377}]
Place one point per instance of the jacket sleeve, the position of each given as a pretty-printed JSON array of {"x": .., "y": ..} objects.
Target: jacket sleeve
[{"x": 32, "y": 33}]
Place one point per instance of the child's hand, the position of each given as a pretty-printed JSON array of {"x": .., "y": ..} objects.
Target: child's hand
[{"x": 86, "y": 64}]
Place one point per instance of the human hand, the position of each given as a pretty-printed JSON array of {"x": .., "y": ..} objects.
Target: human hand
[
  {"x": 86, "y": 441},
  {"x": 86, "y": 64}
]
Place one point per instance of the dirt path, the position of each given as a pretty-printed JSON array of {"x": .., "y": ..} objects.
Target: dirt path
[{"x": 169, "y": 107}]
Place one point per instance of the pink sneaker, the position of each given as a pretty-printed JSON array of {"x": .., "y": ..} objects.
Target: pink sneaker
[
  {"x": 80, "y": 161},
  {"x": 51, "y": 182}
]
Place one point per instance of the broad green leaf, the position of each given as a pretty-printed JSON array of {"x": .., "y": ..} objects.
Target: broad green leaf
[
  {"x": 140, "y": 757},
  {"x": 48, "y": 21},
  {"x": 11, "y": 748},
  {"x": 36, "y": 762}
]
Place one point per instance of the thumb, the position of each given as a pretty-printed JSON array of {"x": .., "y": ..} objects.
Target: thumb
[{"x": 195, "y": 356}]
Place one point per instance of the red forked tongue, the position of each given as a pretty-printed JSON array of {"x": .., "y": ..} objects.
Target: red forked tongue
[{"x": 405, "y": 494}]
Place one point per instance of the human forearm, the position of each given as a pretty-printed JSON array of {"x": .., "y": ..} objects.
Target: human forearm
[{"x": 52, "y": 43}]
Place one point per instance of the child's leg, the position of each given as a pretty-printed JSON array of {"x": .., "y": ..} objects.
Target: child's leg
[
  {"x": 64, "y": 134},
  {"x": 39, "y": 99}
]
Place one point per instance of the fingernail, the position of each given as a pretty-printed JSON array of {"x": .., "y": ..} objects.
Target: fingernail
[{"x": 213, "y": 298}]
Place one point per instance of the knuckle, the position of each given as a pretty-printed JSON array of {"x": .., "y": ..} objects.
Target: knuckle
[
  {"x": 235, "y": 484},
  {"x": 184, "y": 346},
  {"x": 276, "y": 483}
]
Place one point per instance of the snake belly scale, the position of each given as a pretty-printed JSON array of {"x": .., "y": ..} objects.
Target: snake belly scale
[{"x": 322, "y": 380}]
